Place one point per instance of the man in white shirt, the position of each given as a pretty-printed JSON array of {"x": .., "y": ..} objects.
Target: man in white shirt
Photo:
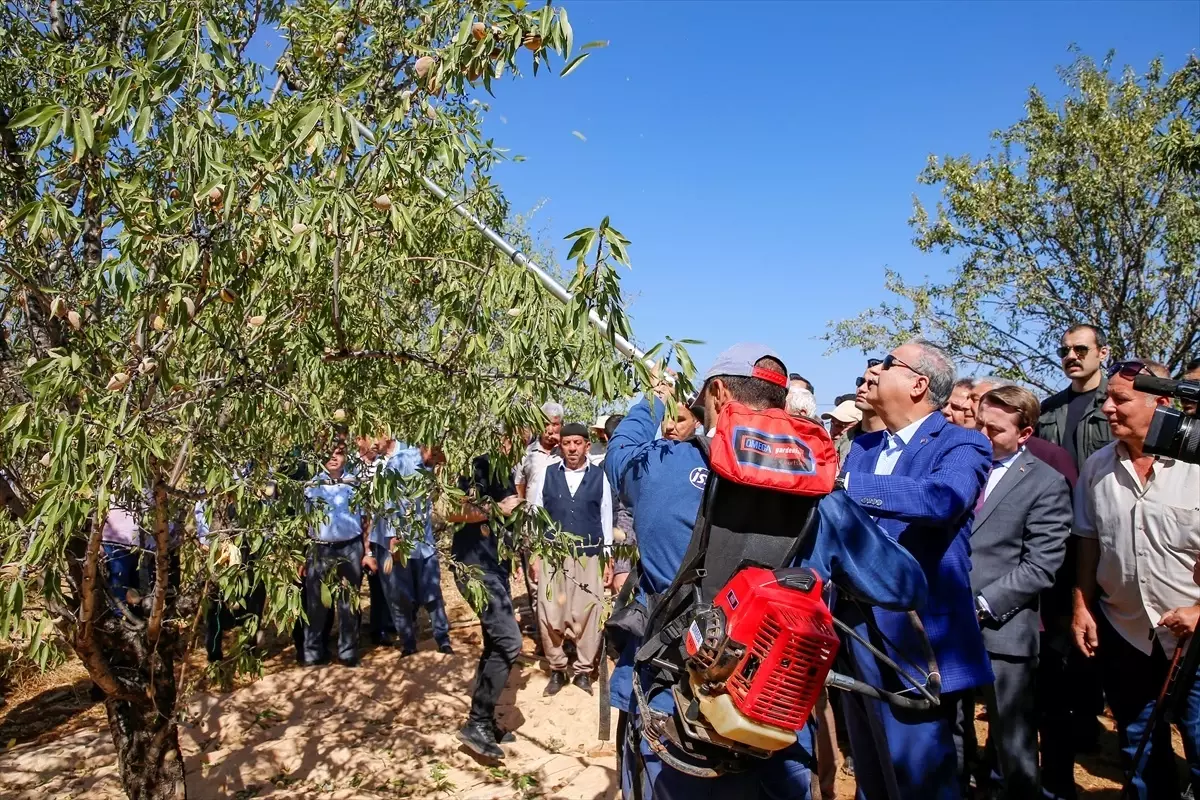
[
  {"x": 543, "y": 452},
  {"x": 576, "y": 495},
  {"x": 1137, "y": 517}
]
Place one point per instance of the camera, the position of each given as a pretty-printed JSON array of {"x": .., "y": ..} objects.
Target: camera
[{"x": 1172, "y": 433}]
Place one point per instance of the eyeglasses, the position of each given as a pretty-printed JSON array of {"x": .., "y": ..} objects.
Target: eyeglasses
[
  {"x": 890, "y": 361},
  {"x": 872, "y": 363},
  {"x": 1080, "y": 350},
  {"x": 1128, "y": 369}
]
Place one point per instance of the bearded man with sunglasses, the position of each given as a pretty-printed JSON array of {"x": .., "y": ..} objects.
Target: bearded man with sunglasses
[
  {"x": 919, "y": 478},
  {"x": 1072, "y": 418}
]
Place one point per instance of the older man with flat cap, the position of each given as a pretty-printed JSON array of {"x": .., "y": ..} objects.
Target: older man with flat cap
[{"x": 576, "y": 495}]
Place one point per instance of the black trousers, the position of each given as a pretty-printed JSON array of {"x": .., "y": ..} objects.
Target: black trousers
[
  {"x": 221, "y": 617},
  {"x": 343, "y": 562},
  {"x": 501, "y": 646}
]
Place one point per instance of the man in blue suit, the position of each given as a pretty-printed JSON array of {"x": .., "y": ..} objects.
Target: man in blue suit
[{"x": 920, "y": 478}]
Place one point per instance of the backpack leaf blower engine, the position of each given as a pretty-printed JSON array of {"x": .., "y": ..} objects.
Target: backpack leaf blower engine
[{"x": 757, "y": 658}]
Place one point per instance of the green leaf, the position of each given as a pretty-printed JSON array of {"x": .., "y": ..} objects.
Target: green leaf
[
  {"x": 213, "y": 32},
  {"x": 34, "y": 117},
  {"x": 464, "y": 30},
  {"x": 594, "y": 45},
  {"x": 85, "y": 127},
  {"x": 685, "y": 360},
  {"x": 15, "y": 416},
  {"x": 326, "y": 597},
  {"x": 581, "y": 246},
  {"x": 141, "y": 126},
  {"x": 568, "y": 34},
  {"x": 575, "y": 62},
  {"x": 171, "y": 46},
  {"x": 304, "y": 128}
]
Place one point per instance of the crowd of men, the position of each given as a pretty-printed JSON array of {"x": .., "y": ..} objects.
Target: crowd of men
[{"x": 1059, "y": 558}]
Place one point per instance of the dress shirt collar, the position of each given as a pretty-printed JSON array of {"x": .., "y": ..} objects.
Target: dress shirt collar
[
  {"x": 1008, "y": 460},
  {"x": 905, "y": 434}
]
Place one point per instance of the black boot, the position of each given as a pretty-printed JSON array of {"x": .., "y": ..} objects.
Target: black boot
[
  {"x": 583, "y": 682},
  {"x": 479, "y": 741},
  {"x": 500, "y": 735},
  {"x": 557, "y": 681}
]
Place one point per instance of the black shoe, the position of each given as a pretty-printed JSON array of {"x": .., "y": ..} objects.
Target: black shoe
[
  {"x": 500, "y": 735},
  {"x": 446, "y": 649},
  {"x": 583, "y": 682},
  {"x": 557, "y": 681},
  {"x": 479, "y": 741},
  {"x": 408, "y": 651},
  {"x": 310, "y": 663},
  {"x": 352, "y": 663}
]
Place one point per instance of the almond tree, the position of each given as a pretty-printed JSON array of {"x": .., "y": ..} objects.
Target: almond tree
[{"x": 208, "y": 260}]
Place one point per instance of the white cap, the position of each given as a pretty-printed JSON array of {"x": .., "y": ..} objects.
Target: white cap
[
  {"x": 600, "y": 422},
  {"x": 846, "y": 412}
]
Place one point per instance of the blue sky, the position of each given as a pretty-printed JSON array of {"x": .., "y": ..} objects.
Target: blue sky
[{"x": 762, "y": 157}]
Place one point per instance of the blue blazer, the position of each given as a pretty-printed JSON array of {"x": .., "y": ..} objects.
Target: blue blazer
[{"x": 927, "y": 504}]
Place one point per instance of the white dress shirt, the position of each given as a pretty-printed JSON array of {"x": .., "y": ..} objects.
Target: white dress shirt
[
  {"x": 895, "y": 445},
  {"x": 1149, "y": 538},
  {"x": 532, "y": 469},
  {"x": 999, "y": 469},
  {"x": 574, "y": 480}
]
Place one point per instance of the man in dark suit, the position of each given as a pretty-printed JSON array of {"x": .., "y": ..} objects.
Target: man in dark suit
[
  {"x": 919, "y": 478},
  {"x": 1018, "y": 541},
  {"x": 1059, "y": 663}
]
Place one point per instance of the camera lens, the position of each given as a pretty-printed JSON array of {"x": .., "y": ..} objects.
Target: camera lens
[{"x": 1175, "y": 435}]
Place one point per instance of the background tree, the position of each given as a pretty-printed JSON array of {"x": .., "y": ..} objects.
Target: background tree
[
  {"x": 1089, "y": 211},
  {"x": 207, "y": 262}
]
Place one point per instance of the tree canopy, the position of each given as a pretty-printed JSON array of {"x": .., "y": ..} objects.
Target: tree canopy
[
  {"x": 1087, "y": 211},
  {"x": 210, "y": 264}
]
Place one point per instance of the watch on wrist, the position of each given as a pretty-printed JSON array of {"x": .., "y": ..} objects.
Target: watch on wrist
[{"x": 981, "y": 609}]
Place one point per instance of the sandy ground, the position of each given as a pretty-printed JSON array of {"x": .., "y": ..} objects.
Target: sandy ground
[{"x": 383, "y": 730}]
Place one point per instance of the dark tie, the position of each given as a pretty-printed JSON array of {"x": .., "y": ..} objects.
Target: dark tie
[{"x": 983, "y": 491}]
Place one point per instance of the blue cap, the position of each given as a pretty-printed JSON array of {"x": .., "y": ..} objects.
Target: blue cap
[{"x": 739, "y": 360}]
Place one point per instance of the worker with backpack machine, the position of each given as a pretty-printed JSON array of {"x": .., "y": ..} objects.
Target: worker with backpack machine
[{"x": 724, "y": 644}]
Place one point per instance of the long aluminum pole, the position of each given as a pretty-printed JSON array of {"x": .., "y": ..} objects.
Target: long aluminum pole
[{"x": 554, "y": 287}]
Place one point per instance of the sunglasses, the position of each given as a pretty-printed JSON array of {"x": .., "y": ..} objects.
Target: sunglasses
[
  {"x": 1080, "y": 350},
  {"x": 1128, "y": 369},
  {"x": 872, "y": 363},
  {"x": 890, "y": 361}
]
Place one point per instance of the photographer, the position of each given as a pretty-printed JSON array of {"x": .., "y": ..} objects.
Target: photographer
[
  {"x": 1138, "y": 529},
  {"x": 1192, "y": 374}
]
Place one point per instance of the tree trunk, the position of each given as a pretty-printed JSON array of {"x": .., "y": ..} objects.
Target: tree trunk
[{"x": 147, "y": 738}]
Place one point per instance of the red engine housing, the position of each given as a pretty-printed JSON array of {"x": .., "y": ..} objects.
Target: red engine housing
[{"x": 787, "y": 630}]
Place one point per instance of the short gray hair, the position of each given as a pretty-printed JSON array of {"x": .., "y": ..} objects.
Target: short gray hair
[
  {"x": 994, "y": 381},
  {"x": 968, "y": 383},
  {"x": 552, "y": 409},
  {"x": 934, "y": 363},
  {"x": 800, "y": 402}
]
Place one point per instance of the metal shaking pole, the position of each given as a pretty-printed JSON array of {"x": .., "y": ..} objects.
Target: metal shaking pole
[{"x": 554, "y": 287}]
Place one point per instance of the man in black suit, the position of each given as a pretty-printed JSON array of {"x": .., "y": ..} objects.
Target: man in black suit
[{"x": 1018, "y": 541}]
